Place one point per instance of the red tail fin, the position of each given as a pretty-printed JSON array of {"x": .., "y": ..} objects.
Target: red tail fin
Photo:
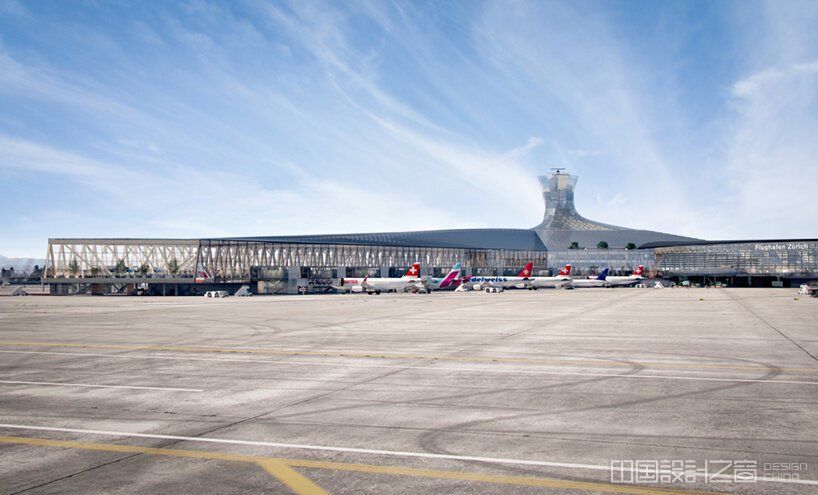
[
  {"x": 566, "y": 270},
  {"x": 414, "y": 271},
  {"x": 639, "y": 270},
  {"x": 527, "y": 270}
]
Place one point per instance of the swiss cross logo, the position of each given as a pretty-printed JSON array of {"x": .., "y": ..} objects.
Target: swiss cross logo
[{"x": 526, "y": 270}]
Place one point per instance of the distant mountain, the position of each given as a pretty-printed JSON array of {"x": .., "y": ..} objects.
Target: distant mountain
[{"x": 20, "y": 264}]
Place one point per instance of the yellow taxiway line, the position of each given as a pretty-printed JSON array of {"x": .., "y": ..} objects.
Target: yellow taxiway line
[
  {"x": 379, "y": 355},
  {"x": 282, "y": 469},
  {"x": 276, "y": 467},
  {"x": 284, "y": 473}
]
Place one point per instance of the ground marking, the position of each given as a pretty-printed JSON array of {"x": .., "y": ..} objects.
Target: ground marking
[
  {"x": 393, "y": 453},
  {"x": 88, "y": 385},
  {"x": 283, "y": 472},
  {"x": 276, "y": 467},
  {"x": 433, "y": 369},
  {"x": 380, "y": 355},
  {"x": 281, "y": 468}
]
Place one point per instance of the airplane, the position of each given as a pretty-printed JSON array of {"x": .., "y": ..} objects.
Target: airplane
[
  {"x": 495, "y": 283},
  {"x": 634, "y": 278},
  {"x": 201, "y": 274},
  {"x": 599, "y": 281},
  {"x": 561, "y": 279},
  {"x": 450, "y": 281},
  {"x": 372, "y": 285}
]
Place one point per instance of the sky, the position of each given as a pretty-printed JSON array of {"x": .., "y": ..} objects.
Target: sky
[{"x": 204, "y": 119}]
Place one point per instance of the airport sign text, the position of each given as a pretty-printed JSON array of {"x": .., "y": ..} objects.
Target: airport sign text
[{"x": 781, "y": 246}]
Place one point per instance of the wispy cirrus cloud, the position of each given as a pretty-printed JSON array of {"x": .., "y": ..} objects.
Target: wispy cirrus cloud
[
  {"x": 753, "y": 85},
  {"x": 592, "y": 85},
  {"x": 771, "y": 157},
  {"x": 305, "y": 117},
  {"x": 206, "y": 205}
]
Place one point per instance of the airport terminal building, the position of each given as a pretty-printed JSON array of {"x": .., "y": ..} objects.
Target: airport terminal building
[
  {"x": 787, "y": 262},
  {"x": 313, "y": 263}
]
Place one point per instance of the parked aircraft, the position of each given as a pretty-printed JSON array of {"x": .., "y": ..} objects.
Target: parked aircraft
[
  {"x": 201, "y": 274},
  {"x": 450, "y": 281},
  {"x": 632, "y": 279},
  {"x": 372, "y": 285},
  {"x": 599, "y": 281},
  {"x": 561, "y": 279},
  {"x": 480, "y": 282}
]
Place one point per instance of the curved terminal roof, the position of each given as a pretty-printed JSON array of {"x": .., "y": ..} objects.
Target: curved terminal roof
[
  {"x": 619, "y": 238},
  {"x": 518, "y": 239},
  {"x": 561, "y": 226}
]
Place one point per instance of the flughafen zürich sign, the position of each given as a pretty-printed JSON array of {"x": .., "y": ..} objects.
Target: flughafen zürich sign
[{"x": 780, "y": 246}]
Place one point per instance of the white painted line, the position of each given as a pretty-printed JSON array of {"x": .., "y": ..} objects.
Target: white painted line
[
  {"x": 416, "y": 368},
  {"x": 394, "y": 453},
  {"x": 88, "y": 385}
]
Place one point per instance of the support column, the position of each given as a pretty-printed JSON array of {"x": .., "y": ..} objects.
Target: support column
[
  {"x": 293, "y": 276},
  {"x": 58, "y": 289}
]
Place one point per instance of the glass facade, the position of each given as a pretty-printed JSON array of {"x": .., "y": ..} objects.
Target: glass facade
[
  {"x": 229, "y": 261},
  {"x": 221, "y": 261},
  {"x": 763, "y": 258},
  {"x": 232, "y": 261},
  {"x": 121, "y": 258},
  {"x": 592, "y": 261},
  {"x": 558, "y": 190}
]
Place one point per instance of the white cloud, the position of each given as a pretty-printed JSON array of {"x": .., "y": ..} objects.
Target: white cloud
[
  {"x": 773, "y": 155},
  {"x": 183, "y": 201},
  {"x": 530, "y": 144},
  {"x": 759, "y": 82},
  {"x": 293, "y": 118},
  {"x": 568, "y": 62}
]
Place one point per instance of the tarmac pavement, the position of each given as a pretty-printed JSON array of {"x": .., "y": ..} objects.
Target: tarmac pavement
[{"x": 704, "y": 390}]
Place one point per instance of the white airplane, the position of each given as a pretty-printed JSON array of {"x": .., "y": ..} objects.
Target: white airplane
[
  {"x": 451, "y": 281},
  {"x": 561, "y": 279},
  {"x": 599, "y": 281},
  {"x": 377, "y": 285},
  {"x": 632, "y": 279},
  {"x": 480, "y": 283}
]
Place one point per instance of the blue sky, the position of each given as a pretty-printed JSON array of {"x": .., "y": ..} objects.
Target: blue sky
[{"x": 195, "y": 118}]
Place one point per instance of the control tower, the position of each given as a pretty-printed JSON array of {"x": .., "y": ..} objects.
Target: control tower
[{"x": 563, "y": 225}]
